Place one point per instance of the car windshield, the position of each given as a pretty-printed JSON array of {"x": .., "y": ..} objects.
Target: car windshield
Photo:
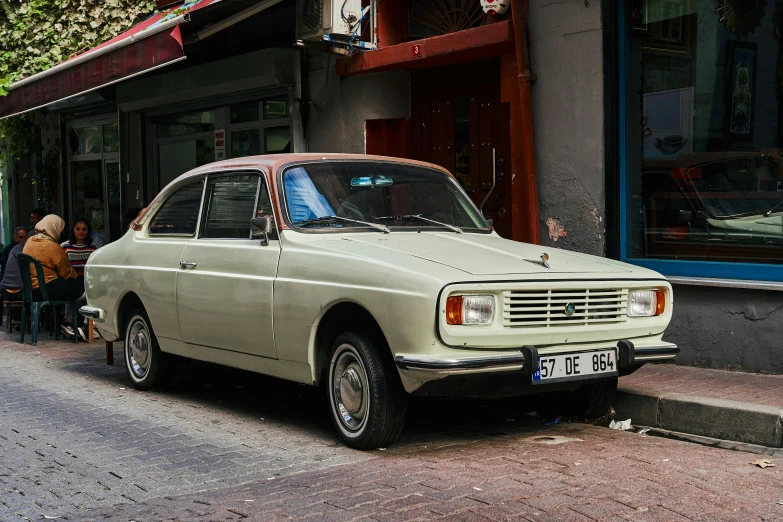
[{"x": 395, "y": 195}]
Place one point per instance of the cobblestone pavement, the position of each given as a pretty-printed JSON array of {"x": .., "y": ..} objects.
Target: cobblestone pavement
[
  {"x": 76, "y": 442},
  {"x": 74, "y": 434}
]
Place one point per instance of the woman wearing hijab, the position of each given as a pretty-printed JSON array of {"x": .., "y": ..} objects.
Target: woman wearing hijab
[{"x": 62, "y": 281}]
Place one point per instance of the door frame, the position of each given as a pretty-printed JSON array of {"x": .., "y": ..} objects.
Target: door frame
[{"x": 103, "y": 157}]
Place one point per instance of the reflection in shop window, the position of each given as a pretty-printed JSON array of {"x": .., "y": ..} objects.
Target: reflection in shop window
[
  {"x": 183, "y": 123},
  {"x": 245, "y": 143},
  {"x": 244, "y": 112},
  {"x": 85, "y": 140},
  {"x": 111, "y": 138},
  {"x": 705, "y": 175},
  {"x": 278, "y": 140},
  {"x": 276, "y": 108}
]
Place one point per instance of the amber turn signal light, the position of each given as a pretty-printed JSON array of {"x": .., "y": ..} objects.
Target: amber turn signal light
[
  {"x": 454, "y": 310},
  {"x": 660, "y": 302}
]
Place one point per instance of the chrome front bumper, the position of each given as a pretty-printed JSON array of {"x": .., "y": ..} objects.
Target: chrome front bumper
[{"x": 628, "y": 357}]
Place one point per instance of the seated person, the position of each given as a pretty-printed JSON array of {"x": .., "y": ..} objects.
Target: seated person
[
  {"x": 11, "y": 283},
  {"x": 62, "y": 281},
  {"x": 20, "y": 236},
  {"x": 78, "y": 248}
]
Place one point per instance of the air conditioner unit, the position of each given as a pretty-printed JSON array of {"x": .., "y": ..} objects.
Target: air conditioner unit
[{"x": 328, "y": 19}]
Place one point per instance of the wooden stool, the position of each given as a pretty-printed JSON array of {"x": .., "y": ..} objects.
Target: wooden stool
[
  {"x": 109, "y": 345},
  {"x": 8, "y": 306}
]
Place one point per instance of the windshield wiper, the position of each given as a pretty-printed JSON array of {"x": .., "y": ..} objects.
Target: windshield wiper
[
  {"x": 770, "y": 211},
  {"x": 411, "y": 217},
  {"x": 333, "y": 219}
]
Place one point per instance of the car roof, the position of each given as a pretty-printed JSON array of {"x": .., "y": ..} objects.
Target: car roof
[{"x": 270, "y": 164}]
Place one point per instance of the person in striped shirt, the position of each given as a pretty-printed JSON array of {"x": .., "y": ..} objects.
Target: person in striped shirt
[{"x": 78, "y": 248}]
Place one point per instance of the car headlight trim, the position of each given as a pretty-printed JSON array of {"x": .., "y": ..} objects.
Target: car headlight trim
[
  {"x": 470, "y": 310},
  {"x": 646, "y": 303}
]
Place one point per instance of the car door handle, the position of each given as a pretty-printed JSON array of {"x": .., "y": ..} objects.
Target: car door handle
[{"x": 187, "y": 264}]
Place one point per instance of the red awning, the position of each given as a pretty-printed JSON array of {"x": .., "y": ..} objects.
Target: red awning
[{"x": 154, "y": 43}]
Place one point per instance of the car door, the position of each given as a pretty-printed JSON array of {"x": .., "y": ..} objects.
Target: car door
[
  {"x": 157, "y": 254},
  {"x": 224, "y": 288}
]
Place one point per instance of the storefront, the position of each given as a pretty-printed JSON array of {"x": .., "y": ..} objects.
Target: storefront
[
  {"x": 179, "y": 90},
  {"x": 699, "y": 186}
]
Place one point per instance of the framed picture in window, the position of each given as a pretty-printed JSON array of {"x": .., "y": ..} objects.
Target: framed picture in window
[
  {"x": 666, "y": 24},
  {"x": 741, "y": 90}
]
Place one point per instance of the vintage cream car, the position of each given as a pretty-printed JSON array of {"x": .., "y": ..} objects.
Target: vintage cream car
[{"x": 377, "y": 277}]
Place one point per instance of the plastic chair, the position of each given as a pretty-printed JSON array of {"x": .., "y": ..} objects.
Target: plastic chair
[{"x": 25, "y": 261}]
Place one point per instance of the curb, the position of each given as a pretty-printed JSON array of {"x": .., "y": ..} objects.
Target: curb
[{"x": 715, "y": 418}]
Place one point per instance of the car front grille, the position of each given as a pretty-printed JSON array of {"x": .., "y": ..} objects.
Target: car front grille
[{"x": 548, "y": 308}]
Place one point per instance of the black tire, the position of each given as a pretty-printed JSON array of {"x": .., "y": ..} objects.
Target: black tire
[
  {"x": 148, "y": 367},
  {"x": 366, "y": 398},
  {"x": 592, "y": 401},
  {"x": 595, "y": 400}
]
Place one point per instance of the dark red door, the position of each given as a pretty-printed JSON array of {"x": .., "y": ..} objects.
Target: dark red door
[{"x": 457, "y": 121}]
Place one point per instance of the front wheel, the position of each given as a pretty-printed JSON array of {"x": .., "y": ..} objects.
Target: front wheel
[
  {"x": 366, "y": 398},
  {"x": 148, "y": 367},
  {"x": 595, "y": 400}
]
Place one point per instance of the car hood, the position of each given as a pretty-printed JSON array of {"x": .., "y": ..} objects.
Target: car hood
[{"x": 485, "y": 255}]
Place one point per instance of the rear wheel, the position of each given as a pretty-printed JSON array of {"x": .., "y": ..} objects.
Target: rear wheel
[
  {"x": 366, "y": 398},
  {"x": 148, "y": 367}
]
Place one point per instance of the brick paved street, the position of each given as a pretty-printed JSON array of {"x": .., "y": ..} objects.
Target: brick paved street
[{"x": 76, "y": 442}]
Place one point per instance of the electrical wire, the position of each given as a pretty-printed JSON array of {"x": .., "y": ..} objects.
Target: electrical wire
[{"x": 354, "y": 32}]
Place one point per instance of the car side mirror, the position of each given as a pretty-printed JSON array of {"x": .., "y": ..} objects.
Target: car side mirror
[{"x": 261, "y": 226}]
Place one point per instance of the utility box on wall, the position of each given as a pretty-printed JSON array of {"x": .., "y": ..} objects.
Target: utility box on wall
[{"x": 319, "y": 18}]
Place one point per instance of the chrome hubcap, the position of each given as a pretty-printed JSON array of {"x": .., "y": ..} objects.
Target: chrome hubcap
[
  {"x": 349, "y": 388},
  {"x": 139, "y": 349}
]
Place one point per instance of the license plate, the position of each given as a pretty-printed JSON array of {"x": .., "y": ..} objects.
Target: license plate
[{"x": 575, "y": 366}]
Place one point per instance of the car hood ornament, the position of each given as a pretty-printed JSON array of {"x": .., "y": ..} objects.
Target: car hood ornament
[{"x": 543, "y": 262}]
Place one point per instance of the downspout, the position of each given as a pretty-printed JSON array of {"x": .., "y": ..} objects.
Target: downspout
[{"x": 519, "y": 13}]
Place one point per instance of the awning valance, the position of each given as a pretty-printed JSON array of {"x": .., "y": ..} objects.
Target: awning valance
[{"x": 154, "y": 43}]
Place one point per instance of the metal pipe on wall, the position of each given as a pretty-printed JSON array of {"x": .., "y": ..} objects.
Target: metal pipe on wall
[{"x": 519, "y": 14}]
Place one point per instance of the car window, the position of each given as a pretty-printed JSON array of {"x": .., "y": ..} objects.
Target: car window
[
  {"x": 231, "y": 203},
  {"x": 179, "y": 213}
]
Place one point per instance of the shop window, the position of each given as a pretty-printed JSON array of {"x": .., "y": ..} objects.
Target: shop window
[
  {"x": 278, "y": 140},
  {"x": 245, "y": 143},
  {"x": 704, "y": 121},
  {"x": 94, "y": 177},
  {"x": 85, "y": 140},
  {"x": 186, "y": 140},
  {"x": 244, "y": 112},
  {"x": 184, "y": 123},
  {"x": 111, "y": 138},
  {"x": 276, "y": 108}
]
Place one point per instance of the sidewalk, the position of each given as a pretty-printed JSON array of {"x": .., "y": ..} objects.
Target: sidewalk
[{"x": 728, "y": 405}]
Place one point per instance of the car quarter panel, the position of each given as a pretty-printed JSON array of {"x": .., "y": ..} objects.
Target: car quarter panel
[{"x": 146, "y": 267}]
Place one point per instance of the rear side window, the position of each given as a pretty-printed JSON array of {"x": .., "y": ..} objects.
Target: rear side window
[
  {"x": 231, "y": 203},
  {"x": 178, "y": 215}
]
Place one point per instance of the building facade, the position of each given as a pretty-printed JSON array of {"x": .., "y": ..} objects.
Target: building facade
[{"x": 657, "y": 131}]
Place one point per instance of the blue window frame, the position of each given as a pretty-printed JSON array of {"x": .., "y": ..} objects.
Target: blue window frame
[{"x": 764, "y": 271}]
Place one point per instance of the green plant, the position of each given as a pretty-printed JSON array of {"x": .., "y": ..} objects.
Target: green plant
[{"x": 38, "y": 34}]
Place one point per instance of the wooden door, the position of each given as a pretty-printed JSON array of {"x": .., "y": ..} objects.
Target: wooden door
[{"x": 457, "y": 124}]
